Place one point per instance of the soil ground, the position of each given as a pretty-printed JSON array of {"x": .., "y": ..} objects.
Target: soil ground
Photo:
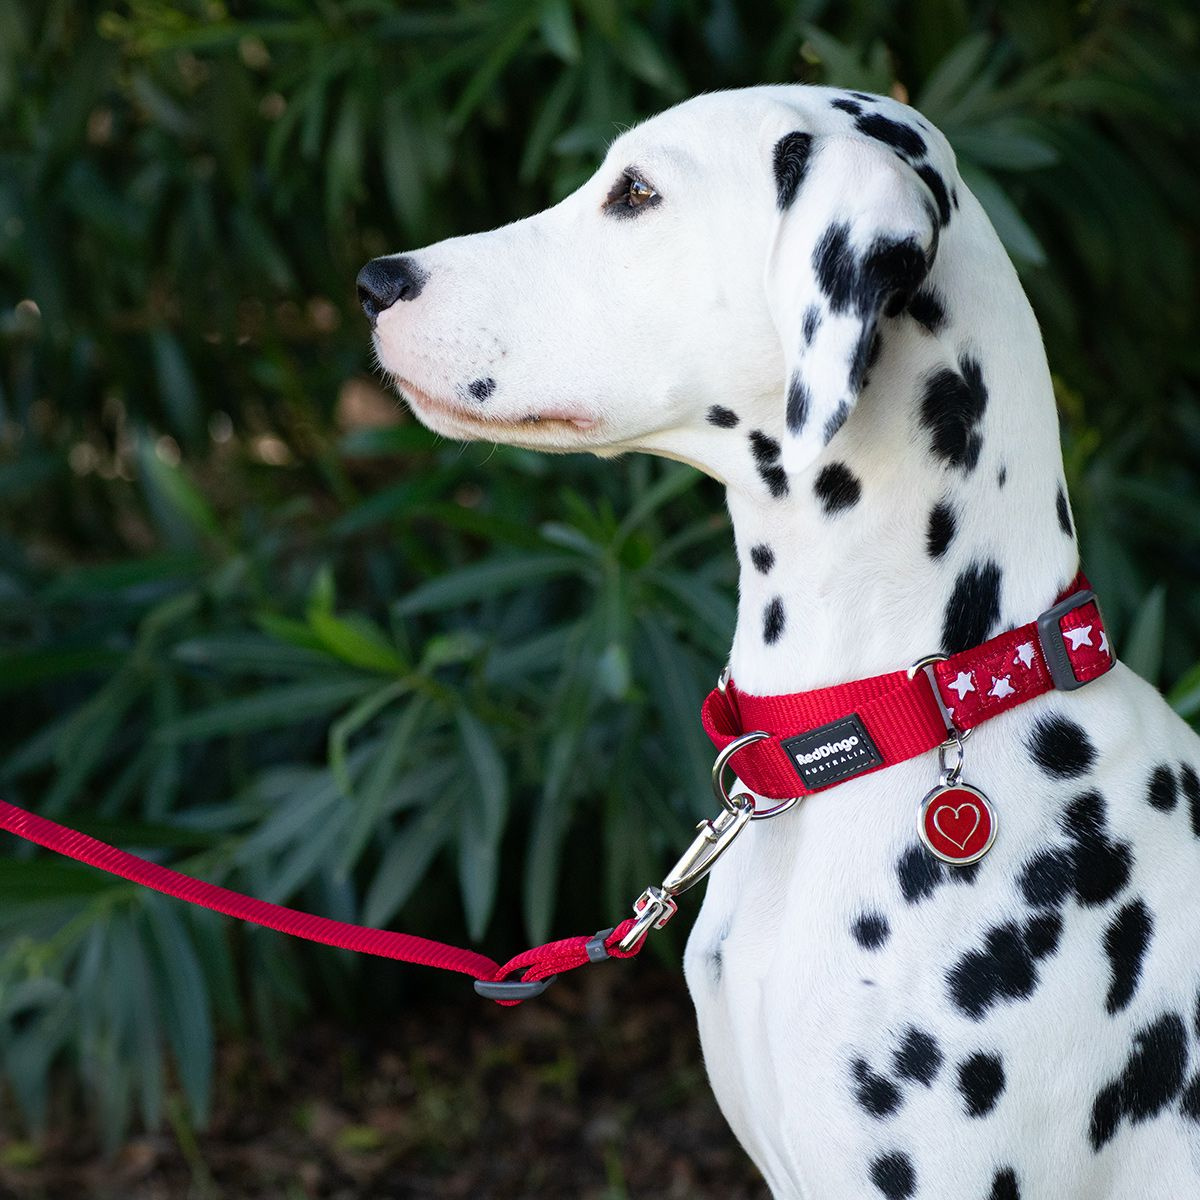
[{"x": 594, "y": 1092}]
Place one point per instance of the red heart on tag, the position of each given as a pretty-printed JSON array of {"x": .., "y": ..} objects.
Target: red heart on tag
[{"x": 957, "y": 823}]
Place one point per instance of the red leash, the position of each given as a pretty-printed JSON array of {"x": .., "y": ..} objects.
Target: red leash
[
  {"x": 789, "y": 746},
  {"x": 539, "y": 965}
]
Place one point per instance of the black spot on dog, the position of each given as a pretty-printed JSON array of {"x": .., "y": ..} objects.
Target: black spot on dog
[
  {"x": 1064, "y": 513},
  {"x": 966, "y": 873},
  {"x": 723, "y": 418},
  {"x": 937, "y": 185},
  {"x": 836, "y": 420},
  {"x": 1042, "y": 933},
  {"x": 773, "y": 621},
  {"x": 973, "y": 608},
  {"x": 776, "y": 480},
  {"x": 1196, "y": 1016},
  {"x": 1003, "y": 970},
  {"x": 766, "y": 457},
  {"x": 791, "y": 158},
  {"x": 764, "y": 447},
  {"x": 836, "y": 270},
  {"x": 900, "y": 137},
  {"x": 1191, "y": 789},
  {"x": 926, "y": 308},
  {"x": 812, "y": 322},
  {"x": 919, "y": 1057},
  {"x": 865, "y": 97},
  {"x": 981, "y": 1082},
  {"x": 892, "y": 270},
  {"x": 1004, "y": 1185},
  {"x": 894, "y": 1176},
  {"x": 1163, "y": 793},
  {"x": 481, "y": 389},
  {"x": 871, "y": 930},
  {"x": 1125, "y": 942},
  {"x": 716, "y": 956},
  {"x": 866, "y": 353},
  {"x": 1060, "y": 747},
  {"x": 798, "y": 402},
  {"x": 1189, "y": 1102},
  {"x": 1048, "y": 878},
  {"x": 952, "y": 407},
  {"x": 1152, "y": 1078},
  {"x": 942, "y": 524},
  {"x": 1002, "y": 476},
  {"x": 851, "y": 106},
  {"x": 1101, "y": 866},
  {"x": 763, "y": 558},
  {"x": 837, "y": 487},
  {"x": 876, "y": 1094},
  {"x": 919, "y": 874}
]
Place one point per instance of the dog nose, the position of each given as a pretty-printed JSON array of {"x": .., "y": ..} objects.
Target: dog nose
[{"x": 383, "y": 281}]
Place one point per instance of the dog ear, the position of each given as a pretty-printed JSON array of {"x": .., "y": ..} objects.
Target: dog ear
[{"x": 856, "y": 235}]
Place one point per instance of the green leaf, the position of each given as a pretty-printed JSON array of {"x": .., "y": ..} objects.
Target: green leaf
[
  {"x": 356, "y": 640},
  {"x": 406, "y": 861},
  {"x": 1143, "y": 647},
  {"x": 379, "y": 779},
  {"x": 557, "y": 28},
  {"x": 1019, "y": 240},
  {"x": 271, "y": 708},
  {"x": 482, "y": 581},
  {"x": 1185, "y": 695},
  {"x": 1006, "y": 144},
  {"x": 483, "y": 810},
  {"x": 952, "y": 76},
  {"x": 177, "y": 386},
  {"x": 186, "y": 1011},
  {"x": 345, "y": 727}
]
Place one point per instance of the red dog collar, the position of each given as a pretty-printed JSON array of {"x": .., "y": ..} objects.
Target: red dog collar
[{"x": 821, "y": 738}]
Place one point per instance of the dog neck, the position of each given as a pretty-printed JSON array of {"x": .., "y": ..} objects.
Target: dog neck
[{"x": 936, "y": 518}]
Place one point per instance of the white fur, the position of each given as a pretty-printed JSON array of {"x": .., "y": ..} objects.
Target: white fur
[{"x": 620, "y": 334}]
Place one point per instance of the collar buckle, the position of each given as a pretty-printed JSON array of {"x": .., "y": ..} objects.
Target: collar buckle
[{"x": 1054, "y": 643}]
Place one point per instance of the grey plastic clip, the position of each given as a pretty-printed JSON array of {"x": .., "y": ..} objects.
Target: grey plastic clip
[
  {"x": 512, "y": 989},
  {"x": 1054, "y": 644},
  {"x": 597, "y": 951}
]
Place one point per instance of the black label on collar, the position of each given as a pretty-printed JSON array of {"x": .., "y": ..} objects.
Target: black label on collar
[{"x": 833, "y": 753}]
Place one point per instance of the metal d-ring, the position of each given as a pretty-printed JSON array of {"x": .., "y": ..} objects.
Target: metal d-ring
[
  {"x": 957, "y": 736},
  {"x": 731, "y": 802}
]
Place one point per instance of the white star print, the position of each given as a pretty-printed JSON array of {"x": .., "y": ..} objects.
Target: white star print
[
  {"x": 963, "y": 684},
  {"x": 1079, "y": 637},
  {"x": 1025, "y": 654},
  {"x": 1104, "y": 641},
  {"x": 1001, "y": 687}
]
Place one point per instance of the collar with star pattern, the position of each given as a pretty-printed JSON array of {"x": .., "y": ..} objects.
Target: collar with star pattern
[{"x": 820, "y": 738}]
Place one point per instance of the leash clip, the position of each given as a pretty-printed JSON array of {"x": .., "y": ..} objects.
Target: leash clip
[{"x": 656, "y": 905}]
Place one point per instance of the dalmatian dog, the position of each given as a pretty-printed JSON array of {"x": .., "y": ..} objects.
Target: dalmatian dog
[{"x": 791, "y": 289}]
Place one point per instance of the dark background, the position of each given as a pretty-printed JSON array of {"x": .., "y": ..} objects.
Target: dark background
[{"x": 257, "y": 623}]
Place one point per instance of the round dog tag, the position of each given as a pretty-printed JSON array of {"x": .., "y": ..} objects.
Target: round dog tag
[{"x": 956, "y": 823}]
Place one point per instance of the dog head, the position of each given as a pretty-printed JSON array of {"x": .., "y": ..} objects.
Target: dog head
[{"x": 727, "y": 264}]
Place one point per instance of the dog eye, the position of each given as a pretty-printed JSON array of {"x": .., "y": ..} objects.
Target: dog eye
[{"x": 630, "y": 193}]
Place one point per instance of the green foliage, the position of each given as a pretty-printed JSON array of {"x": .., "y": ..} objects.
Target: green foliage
[{"x": 254, "y": 622}]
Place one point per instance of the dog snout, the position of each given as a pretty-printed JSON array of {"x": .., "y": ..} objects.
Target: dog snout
[{"x": 383, "y": 281}]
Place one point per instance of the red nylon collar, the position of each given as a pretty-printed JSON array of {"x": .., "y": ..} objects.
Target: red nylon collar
[{"x": 902, "y": 714}]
